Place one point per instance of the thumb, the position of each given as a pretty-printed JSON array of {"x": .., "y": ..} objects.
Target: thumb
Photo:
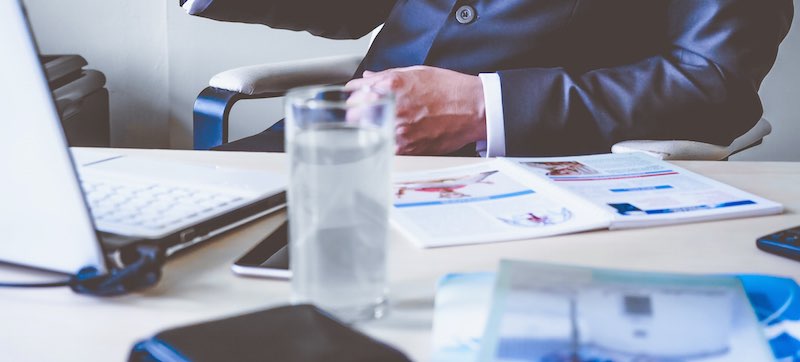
[{"x": 368, "y": 73}]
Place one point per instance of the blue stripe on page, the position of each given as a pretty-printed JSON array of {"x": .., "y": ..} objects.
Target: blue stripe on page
[
  {"x": 735, "y": 203},
  {"x": 700, "y": 207},
  {"x": 650, "y": 188},
  {"x": 610, "y": 175},
  {"x": 467, "y": 200}
]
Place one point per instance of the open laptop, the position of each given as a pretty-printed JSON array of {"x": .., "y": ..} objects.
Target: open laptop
[{"x": 62, "y": 210}]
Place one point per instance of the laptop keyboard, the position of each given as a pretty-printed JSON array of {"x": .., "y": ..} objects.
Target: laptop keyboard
[{"x": 150, "y": 208}]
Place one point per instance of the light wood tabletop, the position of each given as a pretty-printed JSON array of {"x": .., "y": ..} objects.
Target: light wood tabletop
[{"x": 57, "y": 325}]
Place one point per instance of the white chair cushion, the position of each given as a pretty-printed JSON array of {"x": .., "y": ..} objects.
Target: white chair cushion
[
  {"x": 692, "y": 150},
  {"x": 280, "y": 77}
]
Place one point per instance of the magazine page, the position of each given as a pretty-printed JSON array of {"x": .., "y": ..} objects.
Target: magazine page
[
  {"x": 641, "y": 190},
  {"x": 545, "y": 312},
  {"x": 483, "y": 203}
]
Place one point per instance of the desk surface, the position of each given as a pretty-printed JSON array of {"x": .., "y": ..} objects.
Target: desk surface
[{"x": 54, "y": 324}]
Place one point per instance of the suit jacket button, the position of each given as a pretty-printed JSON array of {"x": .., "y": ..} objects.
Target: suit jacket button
[{"x": 465, "y": 14}]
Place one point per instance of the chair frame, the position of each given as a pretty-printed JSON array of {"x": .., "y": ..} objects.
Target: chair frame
[{"x": 211, "y": 115}]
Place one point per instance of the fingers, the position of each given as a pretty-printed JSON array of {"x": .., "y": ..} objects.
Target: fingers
[
  {"x": 382, "y": 81},
  {"x": 406, "y": 142},
  {"x": 362, "y": 96},
  {"x": 369, "y": 80},
  {"x": 359, "y": 83},
  {"x": 361, "y": 104},
  {"x": 388, "y": 80}
]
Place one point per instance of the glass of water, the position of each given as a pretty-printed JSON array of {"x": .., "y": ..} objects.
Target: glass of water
[{"x": 340, "y": 144}]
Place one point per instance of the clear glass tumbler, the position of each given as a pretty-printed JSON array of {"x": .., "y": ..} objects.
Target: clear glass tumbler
[{"x": 340, "y": 145}]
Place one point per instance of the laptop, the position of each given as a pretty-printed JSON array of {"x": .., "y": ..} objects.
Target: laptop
[{"x": 63, "y": 210}]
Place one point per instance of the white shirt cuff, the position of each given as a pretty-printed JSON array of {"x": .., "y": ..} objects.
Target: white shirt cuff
[
  {"x": 196, "y": 6},
  {"x": 495, "y": 144}
]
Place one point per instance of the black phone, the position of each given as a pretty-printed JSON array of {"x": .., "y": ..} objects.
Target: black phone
[
  {"x": 784, "y": 243},
  {"x": 268, "y": 259}
]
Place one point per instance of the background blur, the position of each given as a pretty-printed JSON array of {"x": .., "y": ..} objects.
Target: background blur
[{"x": 157, "y": 59}]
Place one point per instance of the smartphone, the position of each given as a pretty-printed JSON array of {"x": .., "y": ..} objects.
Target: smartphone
[
  {"x": 268, "y": 259},
  {"x": 784, "y": 243}
]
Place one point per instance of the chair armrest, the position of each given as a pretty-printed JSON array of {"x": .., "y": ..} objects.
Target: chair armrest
[
  {"x": 692, "y": 150},
  {"x": 280, "y": 77},
  {"x": 213, "y": 105}
]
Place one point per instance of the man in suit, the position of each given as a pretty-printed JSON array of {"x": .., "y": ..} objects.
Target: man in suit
[{"x": 548, "y": 77}]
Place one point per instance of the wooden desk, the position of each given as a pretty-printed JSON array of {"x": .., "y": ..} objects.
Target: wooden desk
[{"x": 54, "y": 324}]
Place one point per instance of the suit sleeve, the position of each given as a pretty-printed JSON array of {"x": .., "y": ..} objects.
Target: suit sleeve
[
  {"x": 703, "y": 86},
  {"x": 341, "y": 19}
]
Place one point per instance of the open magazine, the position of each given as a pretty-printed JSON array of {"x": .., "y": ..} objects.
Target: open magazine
[{"x": 521, "y": 198}]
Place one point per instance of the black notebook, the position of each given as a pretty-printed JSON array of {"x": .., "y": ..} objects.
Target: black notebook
[{"x": 287, "y": 334}]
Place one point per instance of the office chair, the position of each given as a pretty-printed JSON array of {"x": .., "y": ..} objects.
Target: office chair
[{"x": 213, "y": 106}]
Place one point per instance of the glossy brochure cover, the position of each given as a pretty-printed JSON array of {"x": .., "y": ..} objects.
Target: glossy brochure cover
[{"x": 455, "y": 338}]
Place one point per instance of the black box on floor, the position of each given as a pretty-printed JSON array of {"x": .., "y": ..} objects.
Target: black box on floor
[{"x": 82, "y": 99}]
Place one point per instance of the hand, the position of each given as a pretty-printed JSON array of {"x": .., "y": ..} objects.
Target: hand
[{"x": 438, "y": 110}]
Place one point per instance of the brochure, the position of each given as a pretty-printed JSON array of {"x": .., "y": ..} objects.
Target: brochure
[
  {"x": 457, "y": 338},
  {"x": 522, "y": 198},
  {"x": 544, "y": 312}
]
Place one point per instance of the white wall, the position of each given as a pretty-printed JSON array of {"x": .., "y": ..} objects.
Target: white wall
[
  {"x": 157, "y": 59},
  {"x": 126, "y": 41},
  {"x": 780, "y": 94}
]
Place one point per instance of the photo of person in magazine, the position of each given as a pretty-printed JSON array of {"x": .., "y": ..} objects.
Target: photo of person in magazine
[
  {"x": 538, "y": 218},
  {"x": 446, "y": 188},
  {"x": 562, "y": 168}
]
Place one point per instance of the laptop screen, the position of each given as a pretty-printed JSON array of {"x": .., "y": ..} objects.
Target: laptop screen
[{"x": 43, "y": 214}]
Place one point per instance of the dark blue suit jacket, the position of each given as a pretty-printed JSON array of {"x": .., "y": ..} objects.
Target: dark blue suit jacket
[{"x": 577, "y": 75}]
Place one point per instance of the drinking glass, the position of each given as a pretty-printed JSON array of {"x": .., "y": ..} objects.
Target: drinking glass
[{"x": 340, "y": 144}]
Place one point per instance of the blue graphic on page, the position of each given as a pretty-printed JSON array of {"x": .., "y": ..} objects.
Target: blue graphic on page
[
  {"x": 627, "y": 209},
  {"x": 465, "y": 200},
  {"x": 647, "y": 188},
  {"x": 775, "y": 301},
  {"x": 613, "y": 176}
]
